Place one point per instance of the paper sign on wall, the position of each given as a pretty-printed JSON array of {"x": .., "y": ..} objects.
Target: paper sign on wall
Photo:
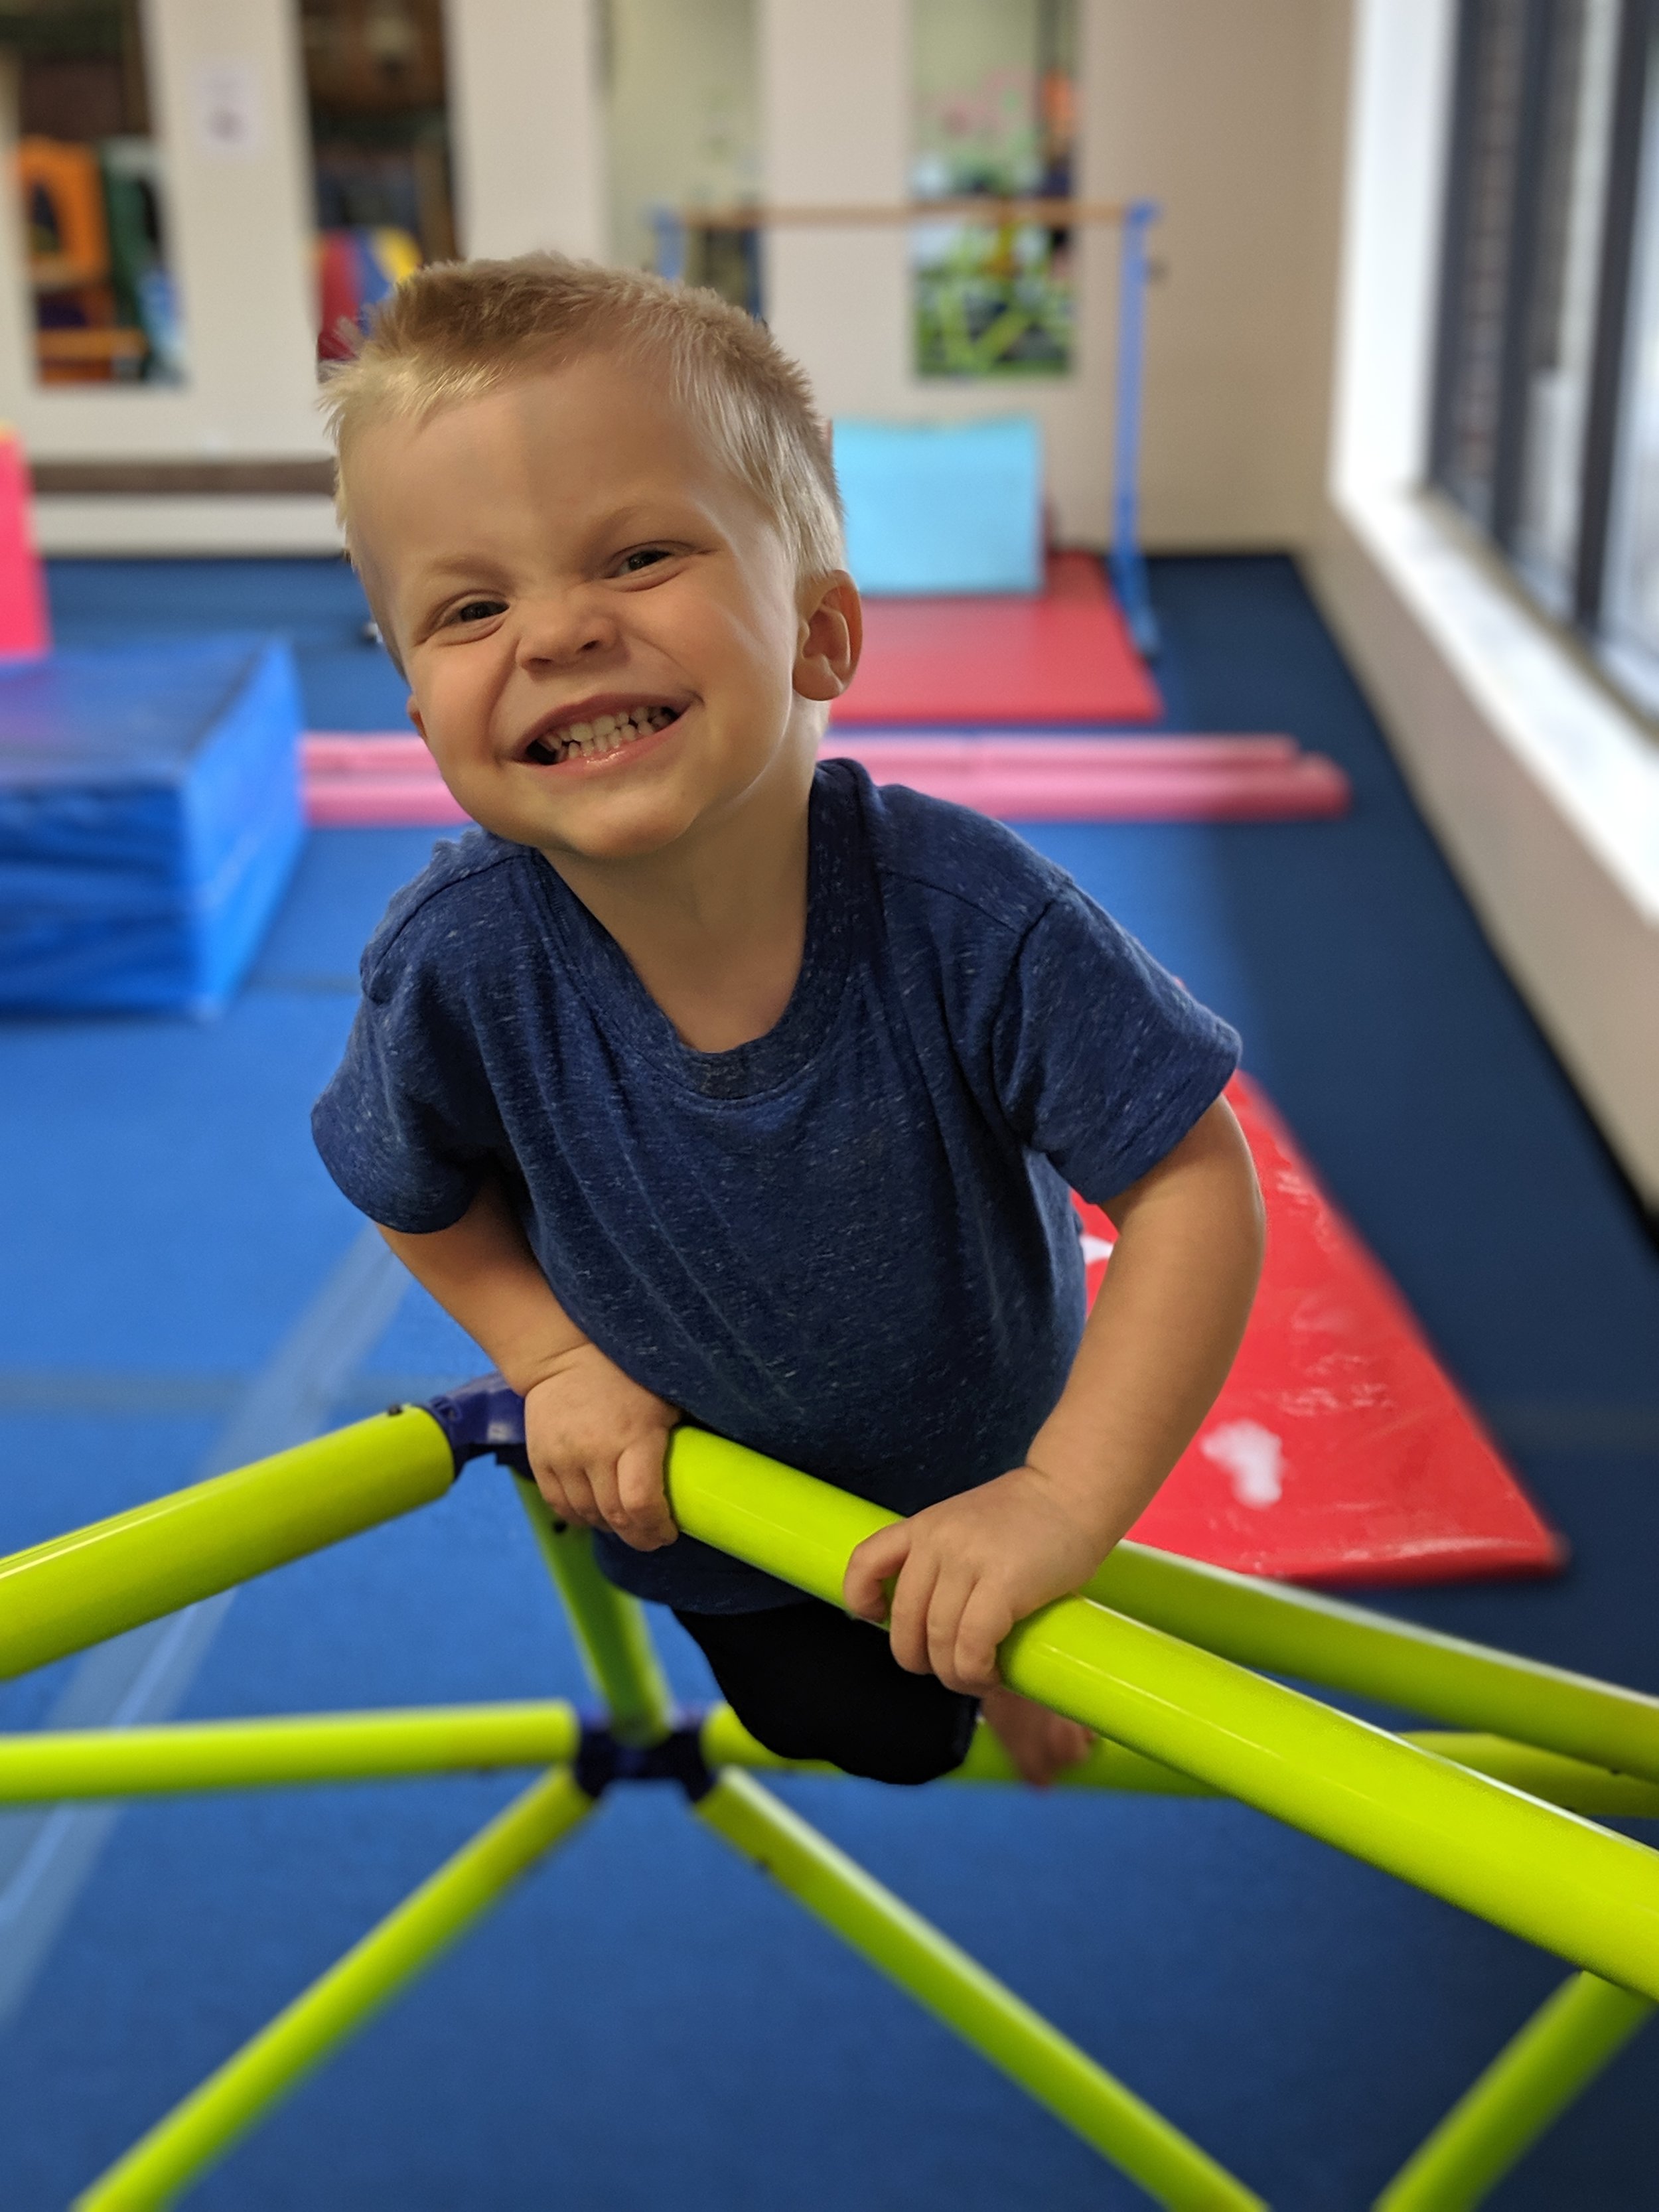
[{"x": 229, "y": 111}]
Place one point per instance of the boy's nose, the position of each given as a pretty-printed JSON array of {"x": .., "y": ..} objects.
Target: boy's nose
[{"x": 558, "y": 630}]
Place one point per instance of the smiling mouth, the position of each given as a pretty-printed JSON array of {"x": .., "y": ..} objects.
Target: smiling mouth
[{"x": 604, "y": 734}]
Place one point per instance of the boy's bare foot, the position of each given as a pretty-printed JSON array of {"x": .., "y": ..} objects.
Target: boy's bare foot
[{"x": 1041, "y": 1744}]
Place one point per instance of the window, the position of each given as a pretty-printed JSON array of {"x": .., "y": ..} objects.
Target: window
[
  {"x": 683, "y": 129},
  {"x": 1547, "y": 402},
  {"x": 994, "y": 94},
  {"x": 89, "y": 173},
  {"x": 376, "y": 89}
]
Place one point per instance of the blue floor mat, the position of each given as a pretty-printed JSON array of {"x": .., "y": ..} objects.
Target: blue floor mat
[{"x": 645, "y": 2022}]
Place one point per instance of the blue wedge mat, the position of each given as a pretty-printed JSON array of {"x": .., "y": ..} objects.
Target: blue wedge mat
[{"x": 149, "y": 820}]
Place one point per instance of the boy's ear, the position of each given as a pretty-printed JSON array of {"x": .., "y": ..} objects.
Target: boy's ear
[
  {"x": 831, "y": 638},
  {"x": 414, "y": 715}
]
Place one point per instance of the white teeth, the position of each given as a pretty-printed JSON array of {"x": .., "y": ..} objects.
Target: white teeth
[{"x": 604, "y": 735}]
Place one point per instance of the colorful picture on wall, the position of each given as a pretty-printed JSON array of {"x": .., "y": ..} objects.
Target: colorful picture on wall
[{"x": 994, "y": 95}]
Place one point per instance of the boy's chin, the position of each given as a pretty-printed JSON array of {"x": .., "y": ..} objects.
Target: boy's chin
[{"x": 594, "y": 829}]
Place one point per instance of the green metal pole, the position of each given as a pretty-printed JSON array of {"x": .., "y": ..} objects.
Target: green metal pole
[
  {"x": 1558, "y": 1781},
  {"x": 609, "y": 1626},
  {"x": 1172, "y": 2170},
  {"x": 79, "y": 1588},
  {"x": 49, "y": 1766},
  {"x": 201, "y": 2129},
  {"x": 1562, "y": 2048},
  {"x": 1588, "y": 1894},
  {"x": 1342, "y": 1647}
]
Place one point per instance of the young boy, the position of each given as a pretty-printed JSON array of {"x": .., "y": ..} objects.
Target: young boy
[{"x": 706, "y": 1080}]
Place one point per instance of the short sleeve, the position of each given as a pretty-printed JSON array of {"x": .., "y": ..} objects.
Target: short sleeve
[
  {"x": 1102, "y": 1061},
  {"x": 407, "y": 1128}
]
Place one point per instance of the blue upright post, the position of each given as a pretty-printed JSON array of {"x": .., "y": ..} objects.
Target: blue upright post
[
  {"x": 1129, "y": 567},
  {"x": 669, "y": 228}
]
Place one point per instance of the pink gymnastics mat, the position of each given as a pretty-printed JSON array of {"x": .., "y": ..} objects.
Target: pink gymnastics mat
[
  {"x": 390, "y": 781},
  {"x": 1064, "y": 655}
]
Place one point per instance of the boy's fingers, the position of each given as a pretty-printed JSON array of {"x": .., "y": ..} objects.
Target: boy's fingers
[
  {"x": 912, "y": 1595},
  {"x": 566, "y": 1492},
  {"x": 646, "y": 1522},
  {"x": 950, "y": 1593},
  {"x": 983, "y": 1623},
  {"x": 874, "y": 1564}
]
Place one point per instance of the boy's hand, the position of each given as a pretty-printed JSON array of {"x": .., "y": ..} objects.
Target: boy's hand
[
  {"x": 972, "y": 1567},
  {"x": 596, "y": 1440}
]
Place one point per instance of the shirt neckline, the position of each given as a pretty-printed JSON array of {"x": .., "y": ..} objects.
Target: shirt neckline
[{"x": 836, "y": 906}]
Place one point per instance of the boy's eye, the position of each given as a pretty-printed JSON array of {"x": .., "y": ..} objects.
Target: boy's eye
[
  {"x": 643, "y": 557},
  {"x": 475, "y": 611}
]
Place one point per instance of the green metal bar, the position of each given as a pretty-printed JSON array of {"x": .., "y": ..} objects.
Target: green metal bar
[
  {"x": 1588, "y": 1894},
  {"x": 609, "y": 1626},
  {"x": 1559, "y": 2051},
  {"x": 1295, "y": 1631},
  {"x": 956, "y": 1989},
  {"x": 1565, "y": 1782},
  {"x": 79, "y": 1588},
  {"x": 50, "y": 1766},
  {"x": 727, "y": 1742},
  {"x": 201, "y": 2129}
]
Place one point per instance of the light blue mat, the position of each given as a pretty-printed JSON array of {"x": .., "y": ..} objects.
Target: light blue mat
[{"x": 943, "y": 506}]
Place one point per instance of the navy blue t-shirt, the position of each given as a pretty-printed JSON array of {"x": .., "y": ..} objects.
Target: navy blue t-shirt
[{"x": 848, "y": 1244}]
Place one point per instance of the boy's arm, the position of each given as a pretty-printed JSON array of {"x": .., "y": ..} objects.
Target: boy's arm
[
  {"x": 1155, "y": 1351},
  {"x": 595, "y": 1437}
]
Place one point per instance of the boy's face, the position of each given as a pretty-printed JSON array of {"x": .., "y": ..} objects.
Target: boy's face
[{"x": 605, "y": 640}]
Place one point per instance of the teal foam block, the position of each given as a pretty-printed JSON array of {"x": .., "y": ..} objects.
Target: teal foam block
[
  {"x": 943, "y": 506},
  {"x": 149, "y": 820}
]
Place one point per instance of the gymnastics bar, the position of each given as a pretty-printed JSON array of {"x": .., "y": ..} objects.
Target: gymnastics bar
[
  {"x": 205, "y": 2126},
  {"x": 1591, "y": 1896},
  {"x": 1341, "y": 1647},
  {"x": 1583, "y": 1892},
  {"x": 616, "y": 1647},
  {"x": 52, "y": 1765},
  {"x": 78, "y": 1590},
  {"x": 1135, "y": 217},
  {"x": 1576, "y": 2033},
  {"x": 48, "y": 1765}
]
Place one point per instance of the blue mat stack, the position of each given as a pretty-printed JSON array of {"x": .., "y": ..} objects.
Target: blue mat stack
[{"x": 149, "y": 820}]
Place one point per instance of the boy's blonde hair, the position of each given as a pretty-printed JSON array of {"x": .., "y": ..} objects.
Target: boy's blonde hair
[{"x": 458, "y": 329}]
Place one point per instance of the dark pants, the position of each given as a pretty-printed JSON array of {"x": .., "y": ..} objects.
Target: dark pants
[{"x": 812, "y": 1683}]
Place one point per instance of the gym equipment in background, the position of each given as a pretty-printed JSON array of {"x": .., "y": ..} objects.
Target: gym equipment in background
[
  {"x": 941, "y": 507},
  {"x": 25, "y": 623},
  {"x": 149, "y": 820},
  {"x": 357, "y": 267},
  {"x": 355, "y": 780},
  {"x": 1339, "y": 1450},
  {"x": 1156, "y": 1655},
  {"x": 676, "y": 228}
]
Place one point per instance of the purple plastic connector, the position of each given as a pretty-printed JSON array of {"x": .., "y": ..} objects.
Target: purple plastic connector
[{"x": 482, "y": 1418}]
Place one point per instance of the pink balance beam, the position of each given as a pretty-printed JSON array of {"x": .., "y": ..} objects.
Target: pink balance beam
[{"x": 367, "y": 781}]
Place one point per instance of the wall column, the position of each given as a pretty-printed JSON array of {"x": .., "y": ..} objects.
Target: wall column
[{"x": 527, "y": 123}]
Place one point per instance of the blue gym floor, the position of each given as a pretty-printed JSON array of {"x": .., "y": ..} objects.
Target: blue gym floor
[{"x": 644, "y": 2023}]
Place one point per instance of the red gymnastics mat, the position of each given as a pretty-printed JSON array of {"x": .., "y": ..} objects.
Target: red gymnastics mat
[
  {"x": 1064, "y": 656},
  {"x": 1339, "y": 1450},
  {"x": 390, "y": 781}
]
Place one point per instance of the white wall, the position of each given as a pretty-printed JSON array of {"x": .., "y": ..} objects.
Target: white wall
[
  {"x": 1543, "y": 791},
  {"x": 681, "y": 113},
  {"x": 1230, "y": 117},
  {"x": 525, "y": 126}
]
